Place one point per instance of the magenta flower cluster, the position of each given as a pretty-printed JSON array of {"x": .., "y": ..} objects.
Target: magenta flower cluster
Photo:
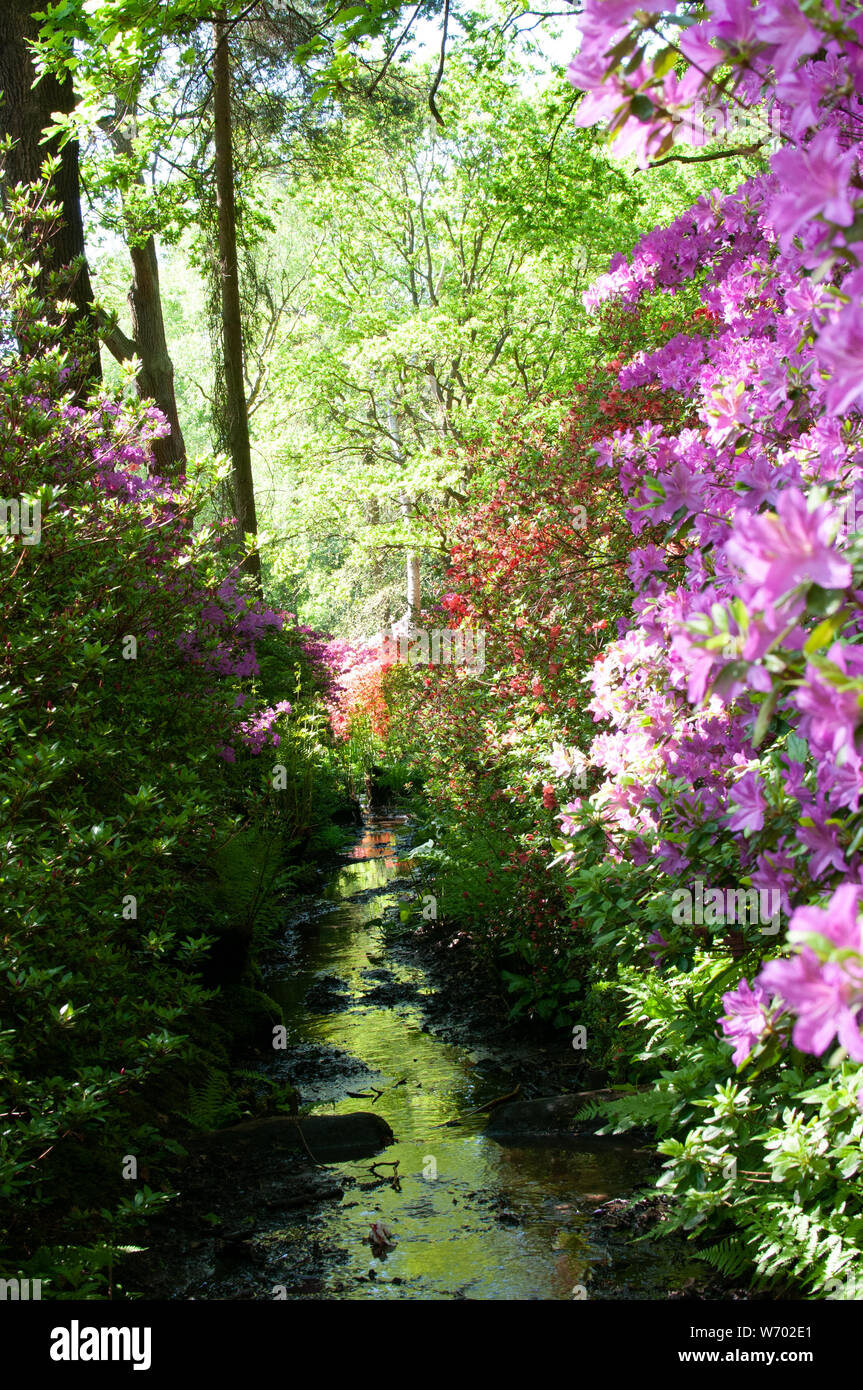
[
  {"x": 219, "y": 626},
  {"x": 734, "y": 698}
]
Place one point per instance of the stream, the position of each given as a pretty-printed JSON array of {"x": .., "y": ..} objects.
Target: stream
[{"x": 471, "y": 1218}]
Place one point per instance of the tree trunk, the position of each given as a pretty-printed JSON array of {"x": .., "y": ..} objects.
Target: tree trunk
[
  {"x": 26, "y": 111},
  {"x": 232, "y": 323},
  {"x": 412, "y": 567},
  {"x": 409, "y": 622},
  {"x": 156, "y": 378},
  {"x": 148, "y": 341}
]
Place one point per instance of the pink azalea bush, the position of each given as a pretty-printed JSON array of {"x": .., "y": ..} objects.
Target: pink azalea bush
[
  {"x": 353, "y": 680},
  {"x": 731, "y": 702}
]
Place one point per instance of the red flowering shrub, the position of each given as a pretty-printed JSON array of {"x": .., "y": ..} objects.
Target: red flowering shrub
[{"x": 538, "y": 566}]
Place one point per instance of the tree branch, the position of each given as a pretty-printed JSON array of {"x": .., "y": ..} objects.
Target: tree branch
[
  {"x": 118, "y": 344},
  {"x": 439, "y": 76},
  {"x": 394, "y": 50},
  {"x": 703, "y": 158}
]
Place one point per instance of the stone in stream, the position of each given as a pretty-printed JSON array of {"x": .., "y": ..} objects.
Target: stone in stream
[
  {"x": 329, "y": 1138},
  {"x": 327, "y": 994},
  {"x": 550, "y": 1115}
]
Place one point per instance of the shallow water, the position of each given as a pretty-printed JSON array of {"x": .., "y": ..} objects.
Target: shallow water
[{"x": 472, "y": 1219}]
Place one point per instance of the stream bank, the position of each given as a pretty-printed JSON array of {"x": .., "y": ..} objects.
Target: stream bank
[{"x": 411, "y": 1030}]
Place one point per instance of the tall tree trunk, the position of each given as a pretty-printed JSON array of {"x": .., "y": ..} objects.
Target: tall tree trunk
[
  {"x": 412, "y": 568},
  {"x": 148, "y": 341},
  {"x": 232, "y": 323},
  {"x": 372, "y": 508},
  {"x": 156, "y": 378},
  {"x": 410, "y": 620},
  {"x": 25, "y": 112}
]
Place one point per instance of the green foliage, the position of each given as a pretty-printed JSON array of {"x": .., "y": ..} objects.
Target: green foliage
[
  {"x": 315, "y": 787},
  {"x": 131, "y": 852},
  {"x": 463, "y": 249},
  {"x": 266, "y": 1093},
  {"x": 413, "y": 329},
  {"x": 729, "y": 1257},
  {"x": 212, "y": 1102},
  {"x": 777, "y": 1158},
  {"x": 247, "y": 883}
]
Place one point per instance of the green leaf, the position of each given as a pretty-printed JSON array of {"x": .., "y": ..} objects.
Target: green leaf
[
  {"x": 765, "y": 714},
  {"x": 642, "y": 107},
  {"x": 665, "y": 62},
  {"x": 822, "y": 635}
]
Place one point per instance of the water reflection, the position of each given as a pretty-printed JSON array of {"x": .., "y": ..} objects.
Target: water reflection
[{"x": 472, "y": 1219}]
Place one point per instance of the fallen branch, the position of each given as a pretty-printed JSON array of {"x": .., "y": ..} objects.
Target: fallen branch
[
  {"x": 305, "y": 1145},
  {"x": 373, "y": 1095},
  {"x": 393, "y": 1178},
  {"x": 480, "y": 1109}
]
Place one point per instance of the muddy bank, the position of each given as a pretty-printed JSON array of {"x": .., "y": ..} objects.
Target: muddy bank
[{"x": 241, "y": 1227}]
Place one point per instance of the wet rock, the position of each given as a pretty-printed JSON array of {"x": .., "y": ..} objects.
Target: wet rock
[
  {"x": 238, "y": 1237},
  {"x": 307, "y": 1197},
  {"x": 330, "y": 1138},
  {"x": 549, "y": 1115},
  {"x": 390, "y": 992},
  {"x": 322, "y": 1073}
]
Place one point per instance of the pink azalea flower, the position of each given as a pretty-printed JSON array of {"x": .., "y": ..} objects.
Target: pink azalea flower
[
  {"x": 826, "y": 853},
  {"x": 842, "y": 783},
  {"x": 827, "y": 996},
  {"x": 775, "y": 873},
  {"x": 728, "y": 410},
  {"x": 644, "y": 563},
  {"x": 779, "y": 550},
  {"x": 748, "y": 797},
  {"x": 830, "y": 715},
  {"x": 838, "y": 922},
  {"x": 608, "y": 14},
  {"x": 815, "y": 182},
  {"x": 560, "y": 761},
  {"x": 682, "y": 489},
  {"x": 822, "y": 997},
  {"x": 840, "y": 351},
  {"x": 747, "y": 1014},
  {"x": 567, "y": 825},
  {"x": 696, "y": 45},
  {"x": 733, "y": 21},
  {"x": 783, "y": 23}
]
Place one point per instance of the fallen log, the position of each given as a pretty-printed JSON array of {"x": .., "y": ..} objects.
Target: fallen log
[
  {"x": 322, "y": 1137},
  {"x": 547, "y": 1115}
]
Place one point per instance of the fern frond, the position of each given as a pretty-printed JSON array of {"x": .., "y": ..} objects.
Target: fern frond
[
  {"x": 729, "y": 1257},
  {"x": 210, "y": 1102}
]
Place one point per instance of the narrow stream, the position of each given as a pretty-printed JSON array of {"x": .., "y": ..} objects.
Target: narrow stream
[{"x": 472, "y": 1219}]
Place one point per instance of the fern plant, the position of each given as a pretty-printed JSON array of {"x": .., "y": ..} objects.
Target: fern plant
[
  {"x": 211, "y": 1103},
  {"x": 730, "y": 1257}
]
